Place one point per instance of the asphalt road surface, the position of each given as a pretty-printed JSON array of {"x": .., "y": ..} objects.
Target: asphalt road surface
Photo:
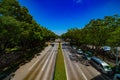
[
  {"x": 78, "y": 68},
  {"x": 40, "y": 68}
]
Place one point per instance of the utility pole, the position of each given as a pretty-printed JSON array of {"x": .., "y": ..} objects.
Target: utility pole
[{"x": 117, "y": 62}]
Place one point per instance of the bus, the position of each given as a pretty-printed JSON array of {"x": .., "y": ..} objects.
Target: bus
[{"x": 101, "y": 65}]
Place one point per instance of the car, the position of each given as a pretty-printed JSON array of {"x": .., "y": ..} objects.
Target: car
[
  {"x": 101, "y": 65},
  {"x": 52, "y": 44},
  {"x": 74, "y": 47},
  {"x": 79, "y": 51},
  {"x": 106, "y": 48},
  {"x": 116, "y": 77},
  {"x": 87, "y": 55}
]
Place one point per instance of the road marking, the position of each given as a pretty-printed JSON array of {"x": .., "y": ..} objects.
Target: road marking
[
  {"x": 47, "y": 60},
  {"x": 82, "y": 73},
  {"x": 65, "y": 64},
  {"x": 41, "y": 74},
  {"x": 33, "y": 65},
  {"x": 45, "y": 65},
  {"x": 70, "y": 63},
  {"x": 49, "y": 67},
  {"x": 36, "y": 61}
]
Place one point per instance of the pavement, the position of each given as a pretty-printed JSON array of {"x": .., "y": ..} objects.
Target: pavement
[
  {"x": 40, "y": 67},
  {"x": 79, "y": 68}
]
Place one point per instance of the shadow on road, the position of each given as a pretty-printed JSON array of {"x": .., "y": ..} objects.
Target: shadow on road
[{"x": 101, "y": 77}]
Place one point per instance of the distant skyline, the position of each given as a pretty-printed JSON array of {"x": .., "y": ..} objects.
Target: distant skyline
[{"x": 61, "y": 15}]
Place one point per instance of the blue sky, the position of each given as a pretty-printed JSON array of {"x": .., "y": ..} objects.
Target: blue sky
[{"x": 61, "y": 15}]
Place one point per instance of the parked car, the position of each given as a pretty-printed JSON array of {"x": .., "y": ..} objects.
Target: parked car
[
  {"x": 79, "y": 51},
  {"x": 101, "y": 65},
  {"x": 74, "y": 47},
  {"x": 106, "y": 48},
  {"x": 116, "y": 77},
  {"x": 87, "y": 55}
]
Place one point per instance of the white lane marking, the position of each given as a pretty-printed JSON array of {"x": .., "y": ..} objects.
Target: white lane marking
[
  {"x": 82, "y": 72},
  {"x": 44, "y": 65},
  {"x": 33, "y": 65},
  {"x": 47, "y": 60},
  {"x": 79, "y": 68},
  {"x": 70, "y": 63},
  {"x": 37, "y": 61},
  {"x": 65, "y": 65},
  {"x": 41, "y": 71},
  {"x": 49, "y": 66}
]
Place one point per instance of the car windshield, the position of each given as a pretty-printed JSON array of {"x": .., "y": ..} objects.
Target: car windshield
[
  {"x": 79, "y": 49},
  {"x": 107, "y": 67}
]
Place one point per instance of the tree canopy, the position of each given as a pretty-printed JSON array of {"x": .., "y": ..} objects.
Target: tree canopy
[
  {"x": 97, "y": 32},
  {"x": 19, "y": 31}
]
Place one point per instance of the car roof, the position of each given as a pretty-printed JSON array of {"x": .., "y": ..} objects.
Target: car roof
[
  {"x": 88, "y": 52},
  {"x": 118, "y": 75},
  {"x": 100, "y": 61}
]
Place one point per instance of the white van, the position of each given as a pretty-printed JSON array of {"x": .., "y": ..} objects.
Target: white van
[{"x": 103, "y": 66}]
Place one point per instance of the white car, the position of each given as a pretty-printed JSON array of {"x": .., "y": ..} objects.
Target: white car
[
  {"x": 106, "y": 48},
  {"x": 74, "y": 47},
  {"x": 100, "y": 64},
  {"x": 79, "y": 51}
]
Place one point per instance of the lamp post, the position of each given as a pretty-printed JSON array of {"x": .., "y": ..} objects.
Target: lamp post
[{"x": 117, "y": 62}]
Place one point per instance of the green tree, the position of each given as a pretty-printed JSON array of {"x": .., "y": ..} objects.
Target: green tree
[
  {"x": 9, "y": 29},
  {"x": 12, "y": 8}
]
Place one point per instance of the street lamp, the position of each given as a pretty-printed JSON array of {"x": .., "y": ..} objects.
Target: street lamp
[{"x": 117, "y": 62}]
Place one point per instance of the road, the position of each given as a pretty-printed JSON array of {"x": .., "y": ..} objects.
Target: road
[
  {"x": 40, "y": 68},
  {"x": 79, "y": 69}
]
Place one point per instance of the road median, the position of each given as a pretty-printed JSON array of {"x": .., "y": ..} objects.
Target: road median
[{"x": 60, "y": 73}]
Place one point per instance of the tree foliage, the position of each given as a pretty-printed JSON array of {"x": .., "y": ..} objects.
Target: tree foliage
[
  {"x": 97, "y": 32},
  {"x": 19, "y": 31}
]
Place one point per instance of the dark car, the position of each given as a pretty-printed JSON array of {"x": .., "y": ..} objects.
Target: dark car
[
  {"x": 52, "y": 45},
  {"x": 87, "y": 55}
]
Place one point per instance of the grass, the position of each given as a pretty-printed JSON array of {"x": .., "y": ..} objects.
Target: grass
[{"x": 60, "y": 73}]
